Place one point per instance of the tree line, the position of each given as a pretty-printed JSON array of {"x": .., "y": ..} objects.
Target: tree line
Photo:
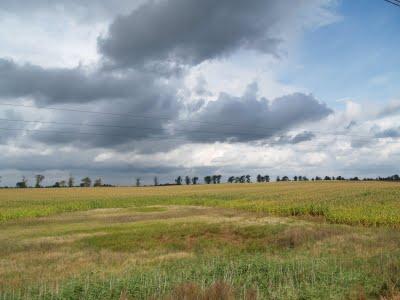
[
  {"x": 70, "y": 182},
  {"x": 180, "y": 180}
]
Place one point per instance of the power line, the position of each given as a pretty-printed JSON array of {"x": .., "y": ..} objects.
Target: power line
[
  {"x": 118, "y": 114},
  {"x": 166, "y": 138},
  {"x": 394, "y": 2},
  {"x": 236, "y": 133}
]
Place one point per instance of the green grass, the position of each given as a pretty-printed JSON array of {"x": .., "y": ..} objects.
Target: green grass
[
  {"x": 271, "y": 241},
  {"x": 365, "y": 203},
  {"x": 291, "y": 279}
]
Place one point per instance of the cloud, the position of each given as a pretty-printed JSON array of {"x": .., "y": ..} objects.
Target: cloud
[
  {"x": 391, "y": 109},
  {"x": 84, "y": 10},
  {"x": 75, "y": 85},
  {"x": 389, "y": 133},
  {"x": 225, "y": 127},
  {"x": 189, "y": 32},
  {"x": 250, "y": 118},
  {"x": 142, "y": 103},
  {"x": 302, "y": 137}
]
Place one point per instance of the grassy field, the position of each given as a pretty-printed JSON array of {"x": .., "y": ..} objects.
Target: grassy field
[{"x": 327, "y": 240}]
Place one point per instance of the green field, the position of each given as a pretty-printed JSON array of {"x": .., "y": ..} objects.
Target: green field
[{"x": 325, "y": 240}]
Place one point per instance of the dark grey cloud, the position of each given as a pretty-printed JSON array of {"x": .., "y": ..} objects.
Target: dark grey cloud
[
  {"x": 76, "y": 85},
  {"x": 190, "y": 31},
  {"x": 304, "y": 136},
  {"x": 249, "y": 118},
  {"x": 133, "y": 121},
  {"x": 389, "y": 133},
  {"x": 301, "y": 137},
  {"x": 142, "y": 103}
]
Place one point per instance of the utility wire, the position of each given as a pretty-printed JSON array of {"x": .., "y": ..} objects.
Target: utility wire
[
  {"x": 171, "y": 138},
  {"x": 394, "y": 2},
  {"x": 117, "y": 114},
  {"x": 236, "y": 133}
]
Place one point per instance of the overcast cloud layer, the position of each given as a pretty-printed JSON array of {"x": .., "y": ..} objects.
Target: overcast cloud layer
[{"x": 127, "y": 110}]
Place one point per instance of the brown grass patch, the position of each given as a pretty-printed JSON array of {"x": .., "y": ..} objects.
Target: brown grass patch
[
  {"x": 294, "y": 237},
  {"x": 220, "y": 290}
]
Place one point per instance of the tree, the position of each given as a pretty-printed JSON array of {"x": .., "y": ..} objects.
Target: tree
[
  {"x": 207, "y": 179},
  {"x": 327, "y": 178},
  {"x": 138, "y": 181},
  {"x": 259, "y": 178},
  {"x": 266, "y": 178},
  {"x": 242, "y": 179},
  {"x": 231, "y": 179},
  {"x": 98, "y": 182},
  {"x": 187, "y": 180},
  {"x": 39, "y": 178},
  {"x": 178, "y": 180},
  {"x": 71, "y": 181},
  {"x": 23, "y": 184},
  {"x": 195, "y": 180},
  {"x": 155, "y": 181},
  {"x": 63, "y": 184},
  {"x": 278, "y": 179},
  {"x": 248, "y": 178},
  {"x": 285, "y": 178},
  {"x": 295, "y": 178},
  {"x": 86, "y": 182},
  {"x": 216, "y": 179},
  {"x": 56, "y": 185}
]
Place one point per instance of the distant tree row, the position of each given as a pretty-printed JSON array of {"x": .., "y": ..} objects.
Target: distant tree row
[
  {"x": 211, "y": 179},
  {"x": 85, "y": 182},
  {"x": 240, "y": 179}
]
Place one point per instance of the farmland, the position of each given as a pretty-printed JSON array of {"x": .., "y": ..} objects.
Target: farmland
[{"x": 306, "y": 240}]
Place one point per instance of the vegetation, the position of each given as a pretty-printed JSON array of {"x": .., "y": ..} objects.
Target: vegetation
[
  {"x": 364, "y": 203},
  {"x": 287, "y": 240}
]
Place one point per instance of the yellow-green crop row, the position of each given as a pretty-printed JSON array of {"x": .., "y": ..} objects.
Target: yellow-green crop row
[{"x": 364, "y": 203}]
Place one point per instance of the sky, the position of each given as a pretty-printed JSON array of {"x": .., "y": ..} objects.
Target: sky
[{"x": 126, "y": 89}]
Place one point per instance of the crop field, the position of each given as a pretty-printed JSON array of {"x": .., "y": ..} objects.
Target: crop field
[{"x": 304, "y": 240}]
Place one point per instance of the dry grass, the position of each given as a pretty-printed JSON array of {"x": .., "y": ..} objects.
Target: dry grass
[
  {"x": 365, "y": 203},
  {"x": 185, "y": 236},
  {"x": 191, "y": 291}
]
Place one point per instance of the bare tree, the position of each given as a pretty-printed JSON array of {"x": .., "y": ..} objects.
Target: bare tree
[
  {"x": 71, "y": 181},
  {"x": 248, "y": 178},
  {"x": 39, "y": 178},
  {"x": 98, "y": 182},
  {"x": 63, "y": 183},
  {"x": 155, "y": 181}
]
